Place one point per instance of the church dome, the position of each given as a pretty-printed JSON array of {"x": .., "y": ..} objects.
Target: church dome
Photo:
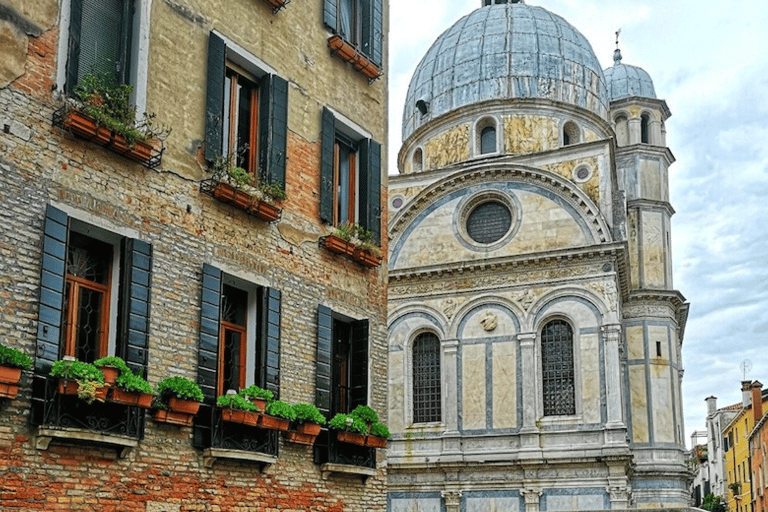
[
  {"x": 624, "y": 81},
  {"x": 505, "y": 51}
]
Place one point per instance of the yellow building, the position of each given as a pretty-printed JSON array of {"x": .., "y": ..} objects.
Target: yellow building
[{"x": 736, "y": 442}]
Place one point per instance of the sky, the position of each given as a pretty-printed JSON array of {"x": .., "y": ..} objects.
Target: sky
[{"x": 708, "y": 61}]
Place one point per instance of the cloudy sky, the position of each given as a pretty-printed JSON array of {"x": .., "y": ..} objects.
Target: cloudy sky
[{"x": 708, "y": 61}]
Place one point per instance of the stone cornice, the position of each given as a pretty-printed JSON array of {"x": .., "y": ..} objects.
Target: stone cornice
[
  {"x": 639, "y": 100},
  {"x": 673, "y": 298},
  {"x": 650, "y": 204},
  {"x": 647, "y": 149}
]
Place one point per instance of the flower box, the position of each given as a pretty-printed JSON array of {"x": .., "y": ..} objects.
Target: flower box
[
  {"x": 348, "y": 53},
  {"x": 375, "y": 442},
  {"x": 183, "y": 406},
  {"x": 305, "y": 433},
  {"x": 238, "y": 198},
  {"x": 350, "y": 437},
  {"x": 273, "y": 422},
  {"x": 110, "y": 374},
  {"x": 9, "y": 375},
  {"x": 173, "y": 417},
  {"x": 8, "y": 390},
  {"x": 338, "y": 245},
  {"x": 120, "y": 396},
  {"x": 70, "y": 387},
  {"x": 239, "y": 416},
  {"x": 277, "y": 4}
]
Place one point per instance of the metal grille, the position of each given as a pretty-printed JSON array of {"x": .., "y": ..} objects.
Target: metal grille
[
  {"x": 557, "y": 369},
  {"x": 489, "y": 222},
  {"x": 426, "y": 378}
]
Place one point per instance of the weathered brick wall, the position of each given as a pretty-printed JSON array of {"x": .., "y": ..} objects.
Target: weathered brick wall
[{"x": 40, "y": 163}]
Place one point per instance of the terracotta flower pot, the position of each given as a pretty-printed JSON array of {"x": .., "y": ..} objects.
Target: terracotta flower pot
[
  {"x": 298, "y": 438},
  {"x": 238, "y": 416},
  {"x": 312, "y": 429},
  {"x": 375, "y": 442},
  {"x": 351, "y": 437},
  {"x": 9, "y": 375},
  {"x": 68, "y": 387},
  {"x": 273, "y": 423},
  {"x": 8, "y": 390},
  {"x": 174, "y": 418},
  {"x": 110, "y": 374},
  {"x": 265, "y": 211},
  {"x": 183, "y": 406},
  {"x": 338, "y": 245},
  {"x": 85, "y": 126},
  {"x": 122, "y": 396}
]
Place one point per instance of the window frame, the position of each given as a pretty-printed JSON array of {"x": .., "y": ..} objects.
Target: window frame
[
  {"x": 545, "y": 411},
  {"x": 370, "y": 15},
  {"x": 413, "y": 372}
]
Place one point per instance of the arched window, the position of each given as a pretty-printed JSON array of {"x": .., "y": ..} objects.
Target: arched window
[
  {"x": 570, "y": 133},
  {"x": 488, "y": 140},
  {"x": 557, "y": 369},
  {"x": 418, "y": 160},
  {"x": 426, "y": 378},
  {"x": 644, "y": 127}
]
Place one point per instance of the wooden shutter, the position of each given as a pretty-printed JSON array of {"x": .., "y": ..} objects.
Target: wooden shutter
[
  {"x": 323, "y": 360},
  {"x": 273, "y": 129},
  {"x": 209, "y": 332},
  {"x": 326, "y": 166},
  {"x": 135, "y": 300},
  {"x": 270, "y": 329},
  {"x": 377, "y": 32},
  {"x": 73, "y": 50},
  {"x": 214, "y": 106},
  {"x": 52, "y": 279},
  {"x": 358, "y": 362},
  {"x": 370, "y": 187},
  {"x": 329, "y": 14}
]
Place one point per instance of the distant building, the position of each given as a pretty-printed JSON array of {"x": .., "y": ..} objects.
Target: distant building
[
  {"x": 534, "y": 328},
  {"x": 710, "y": 474},
  {"x": 758, "y": 452}
]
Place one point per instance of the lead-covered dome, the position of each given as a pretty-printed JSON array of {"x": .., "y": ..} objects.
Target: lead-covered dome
[
  {"x": 624, "y": 81},
  {"x": 501, "y": 52}
]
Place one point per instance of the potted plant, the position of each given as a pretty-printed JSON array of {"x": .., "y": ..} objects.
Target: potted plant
[
  {"x": 379, "y": 433},
  {"x": 12, "y": 362},
  {"x": 349, "y": 429},
  {"x": 258, "y": 396},
  {"x": 111, "y": 367},
  {"x": 348, "y": 53},
  {"x": 237, "y": 409},
  {"x": 307, "y": 424},
  {"x": 278, "y": 416},
  {"x": 180, "y": 394},
  {"x": 80, "y": 378},
  {"x": 361, "y": 426},
  {"x": 132, "y": 389},
  {"x": 354, "y": 242}
]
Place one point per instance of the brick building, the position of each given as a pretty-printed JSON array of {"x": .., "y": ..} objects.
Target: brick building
[{"x": 296, "y": 92}]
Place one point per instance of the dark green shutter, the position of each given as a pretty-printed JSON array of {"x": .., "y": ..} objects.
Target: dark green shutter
[
  {"x": 329, "y": 14},
  {"x": 370, "y": 187},
  {"x": 323, "y": 362},
  {"x": 52, "y": 278},
  {"x": 367, "y": 32},
  {"x": 214, "y": 106},
  {"x": 135, "y": 300},
  {"x": 270, "y": 324},
  {"x": 209, "y": 332},
  {"x": 273, "y": 129},
  {"x": 358, "y": 363},
  {"x": 377, "y": 34},
  {"x": 73, "y": 50},
  {"x": 326, "y": 166},
  {"x": 124, "y": 51}
]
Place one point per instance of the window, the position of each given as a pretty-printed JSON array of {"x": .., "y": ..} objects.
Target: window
[
  {"x": 418, "y": 160},
  {"x": 488, "y": 140},
  {"x": 358, "y": 22},
  {"x": 426, "y": 378},
  {"x": 99, "y": 39},
  {"x": 342, "y": 362},
  {"x": 350, "y": 190},
  {"x": 239, "y": 334},
  {"x": 95, "y": 293},
  {"x": 644, "y": 122},
  {"x": 246, "y": 112},
  {"x": 570, "y": 133},
  {"x": 557, "y": 369}
]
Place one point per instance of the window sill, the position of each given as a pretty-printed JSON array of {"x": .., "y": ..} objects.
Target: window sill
[
  {"x": 211, "y": 455},
  {"x": 338, "y": 245},
  {"x": 122, "y": 444},
  {"x": 147, "y": 153},
  {"x": 348, "y": 53},
  {"x": 346, "y": 469},
  {"x": 242, "y": 200}
]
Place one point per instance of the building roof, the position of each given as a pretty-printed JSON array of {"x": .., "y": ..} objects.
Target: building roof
[
  {"x": 505, "y": 51},
  {"x": 624, "y": 81}
]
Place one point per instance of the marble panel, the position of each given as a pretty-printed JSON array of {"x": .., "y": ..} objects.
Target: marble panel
[
  {"x": 635, "y": 342},
  {"x": 653, "y": 249},
  {"x": 661, "y": 389},
  {"x": 661, "y": 334},
  {"x": 504, "y": 385},
  {"x": 473, "y": 387},
  {"x": 492, "y": 504},
  {"x": 415, "y": 505},
  {"x": 590, "y": 378},
  {"x": 574, "y": 502},
  {"x": 475, "y": 328},
  {"x": 448, "y": 147},
  {"x": 638, "y": 404},
  {"x": 396, "y": 392},
  {"x": 650, "y": 179}
]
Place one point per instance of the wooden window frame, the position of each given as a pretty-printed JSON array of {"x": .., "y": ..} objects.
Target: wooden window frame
[
  {"x": 242, "y": 330},
  {"x": 352, "y": 185},
  {"x": 233, "y": 75},
  {"x": 74, "y": 285}
]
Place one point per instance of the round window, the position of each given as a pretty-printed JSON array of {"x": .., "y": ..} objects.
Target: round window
[{"x": 488, "y": 222}]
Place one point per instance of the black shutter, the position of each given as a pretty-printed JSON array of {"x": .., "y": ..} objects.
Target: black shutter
[
  {"x": 273, "y": 129},
  {"x": 52, "y": 277},
  {"x": 329, "y": 14},
  {"x": 209, "y": 332},
  {"x": 271, "y": 340},
  {"x": 323, "y": 363},
  {"x": 214, "y": 106},
  {"x": 73, "y": 50},
  {"x": 370, "y": 187},
  {"x": 377, "y": 32},
  {"x": 134, "y": 305},
  {"x": 358, "y": 363},
  {"x": 326, "y": 166},
  {"x": 124, "y": 50}
]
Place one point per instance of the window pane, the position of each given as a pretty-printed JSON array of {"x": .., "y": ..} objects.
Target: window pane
[
  {"x": 557, "y": 369},
  {"x": 88, "y": 328},
  {"x": 233, "y": 369},
  {"x": 100, "y": 36},
  {"x": 426, "y": 378},
  {"x": 342, "y": 190},
  {"x": 488, "y": 140}
]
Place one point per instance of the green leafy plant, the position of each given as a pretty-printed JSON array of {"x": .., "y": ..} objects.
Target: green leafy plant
[
  {"x": 280, "y": 409},
  {"x": 133, "y": 383},
  {"x": 14, "y": 358},
  {"x": 365, "y": 413},
  {"x": 359, "y": 236},
  {"x": 179, "y": 387},
  {"x": 235, "y": 401},
  {"x": 254, "y": 391},
  {"x": 273, "y": 190},
  {"x": 89, "y": 378},
  {"x": 308, "y": 413},
  {"x": 225, "y": 169},
  {"x": 348, "y": 423},
  {"x": 113, "y": 361},
  {"x": 380, "y": 430},
  {"x": 713, "y": 503}
]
